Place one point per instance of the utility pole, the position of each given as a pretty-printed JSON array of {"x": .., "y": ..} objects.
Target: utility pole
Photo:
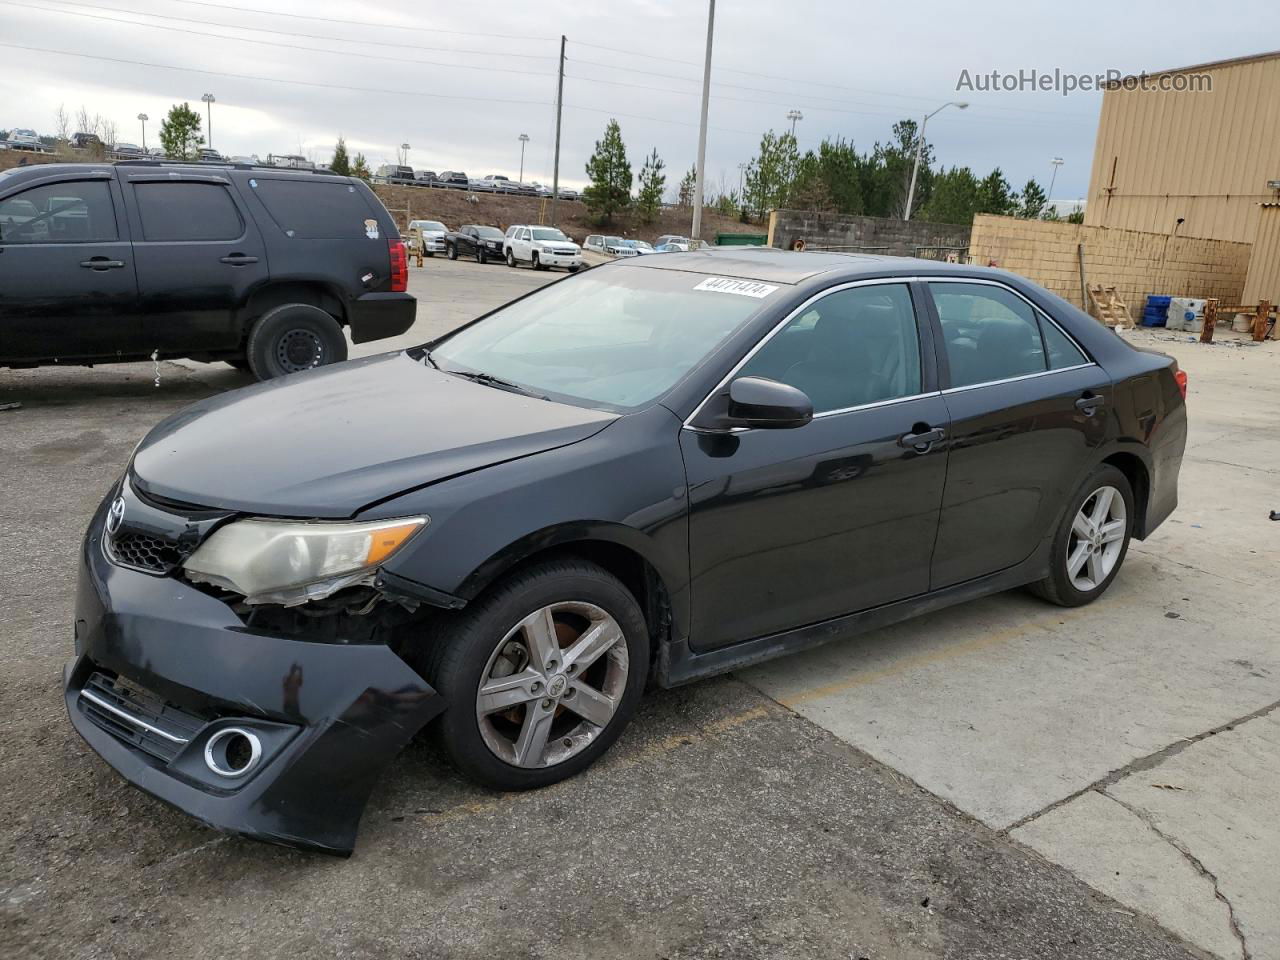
[
  {"x": 555, "y": 173},
  {"x": 793, "y": 116},
  {"x": 209, "y": 99},
  {"x": 696, "y": 233},
  {"x": 742, "y": 169}
]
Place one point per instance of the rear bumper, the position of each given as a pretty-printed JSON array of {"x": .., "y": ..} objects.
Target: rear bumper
[
  {"x": 329, "y": 716},
  {"x": 375, "y": 316}
]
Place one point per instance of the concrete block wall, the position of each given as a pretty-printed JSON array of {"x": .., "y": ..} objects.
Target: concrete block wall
[
  {"x": 898, "y": 238},
  {"x": 1137, "y": 264}
]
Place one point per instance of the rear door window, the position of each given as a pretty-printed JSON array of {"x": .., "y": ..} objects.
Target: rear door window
[
  {"x": 314, "y": 209},
  {"x": 990, "y": 333},
  {"x": 181, "y": 210}
]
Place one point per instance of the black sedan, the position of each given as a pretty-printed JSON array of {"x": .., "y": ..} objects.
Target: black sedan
[
  {"x": 661, "y": 469},
  {"x": 474, "y": 240}
]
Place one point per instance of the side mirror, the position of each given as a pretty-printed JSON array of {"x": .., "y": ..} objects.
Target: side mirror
[{"x": 756, "y": 402}]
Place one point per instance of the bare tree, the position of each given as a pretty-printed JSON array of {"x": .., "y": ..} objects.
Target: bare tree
[
  {"x": 108, "y": 134},
  {"x": 84, "y": 122},
  {"x": 62, "y": 123}
]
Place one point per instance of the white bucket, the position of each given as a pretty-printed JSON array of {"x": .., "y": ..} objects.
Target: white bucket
[{"x": 1243, "y": 323}]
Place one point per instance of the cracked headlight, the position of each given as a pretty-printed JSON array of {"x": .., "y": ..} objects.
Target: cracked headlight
[{"x": 291, "y": 562}]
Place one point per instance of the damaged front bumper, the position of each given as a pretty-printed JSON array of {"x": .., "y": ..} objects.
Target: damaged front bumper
[{"x": 166, "y": 677}]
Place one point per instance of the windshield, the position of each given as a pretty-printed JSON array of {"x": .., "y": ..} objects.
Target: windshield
[
  {"x": 435, "y": 225},
  {"x": 613, "y": 241},
  {"x": 489, "y": 233},
  {"x": 548, "y": 233},
  {"x": 617, "y": 338}
]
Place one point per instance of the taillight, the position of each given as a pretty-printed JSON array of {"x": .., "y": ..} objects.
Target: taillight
[
  {"x": 399, "y": 266},
  {"x": 1180, "y": 378}
]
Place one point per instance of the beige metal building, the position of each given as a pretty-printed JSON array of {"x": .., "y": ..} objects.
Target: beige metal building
[
  {"x": 1202, "y": 156},
  {"x": 1196, "y": 162}
]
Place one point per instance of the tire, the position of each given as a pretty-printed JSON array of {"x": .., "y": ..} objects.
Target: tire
[
  {"x": 294, "y": 337},
  {"x": 452, "y": 251},
  {"x": 477, "y": 646},
  {"x": 481, "y": 256},
  {"x": 511, "y": 257},
  {"x": 574, "y": 269},
  {"x": 430, "y": 254},
  {"x": 1096, "y": 561},
  {"x": 537, "y": 265}
]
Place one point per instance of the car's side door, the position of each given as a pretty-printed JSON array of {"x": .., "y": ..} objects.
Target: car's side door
[
  {"x": 67, "y": 282},
  {"x": 524, "y": 244},
  {"x": 199, "y": 255},
  {"x": 1027, "y": 406},
  {"x": 467, "y": 236},
  {"x": 789, "y": 527}
]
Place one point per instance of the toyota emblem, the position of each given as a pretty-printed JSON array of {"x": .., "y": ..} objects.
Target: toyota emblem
[{"x": 115, "y": 516}]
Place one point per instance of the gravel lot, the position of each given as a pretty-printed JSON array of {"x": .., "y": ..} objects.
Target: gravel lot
[{"x": 978, "y": 783}]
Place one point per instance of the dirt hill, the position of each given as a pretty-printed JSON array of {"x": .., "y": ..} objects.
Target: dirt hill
[{"x": 456, "y": 207}]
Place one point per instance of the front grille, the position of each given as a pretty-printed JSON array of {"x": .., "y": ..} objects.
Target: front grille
[
  {"x": 143, "y": 552},
  {"x": 137, "y": 716}
]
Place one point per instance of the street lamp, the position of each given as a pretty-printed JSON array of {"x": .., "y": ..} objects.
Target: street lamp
[
  {"x": 742, "y": 169},
  {"x": 915, "y": 169},
  {"x": 209, "y": 99},
  {"x": 524, "y": 138},
  {"x": 1057, "y": 162},
  {"x": 144, "y": 118},
  {"x": 793, "y": 116},
  {"x": 405, "y": 158}
]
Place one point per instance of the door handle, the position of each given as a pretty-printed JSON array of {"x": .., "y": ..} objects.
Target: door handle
[
  {"x": 922, "y": 440},
  {"x": 238, "y": 260},
  {"x": 101, "y": 263},
  {"x": 1088, "y": 405}
]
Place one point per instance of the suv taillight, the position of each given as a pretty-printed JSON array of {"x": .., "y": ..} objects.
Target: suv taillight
[
  {"x": 1180, "y": 378},
  {"x": 399, "y": 266}
]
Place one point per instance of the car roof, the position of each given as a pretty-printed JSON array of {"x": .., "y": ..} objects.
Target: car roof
[{"x": 772, "y": 265}]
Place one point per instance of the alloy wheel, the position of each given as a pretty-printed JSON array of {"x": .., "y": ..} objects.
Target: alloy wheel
[
  {"x": 552, "y": 684},
  {"x": 1097, "y": 538}
]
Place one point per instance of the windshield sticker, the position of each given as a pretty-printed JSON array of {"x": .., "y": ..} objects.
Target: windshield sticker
[{"x": 743, "y": 288}]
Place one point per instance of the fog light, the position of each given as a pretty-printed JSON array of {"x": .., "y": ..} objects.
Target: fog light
[{"x": 232, "y": 752}]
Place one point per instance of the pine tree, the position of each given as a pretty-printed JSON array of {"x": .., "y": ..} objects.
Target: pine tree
[
  {"x": 1033, "y": 201},
  {"x": 688, "y": 183},
  {"x": 610, "y": 189},
  {"x": 360, "y": 168},
  {"x": 652, "y": 184},
  {"x": 180, "y": 133},
  {"x": 341, "y": 163}
]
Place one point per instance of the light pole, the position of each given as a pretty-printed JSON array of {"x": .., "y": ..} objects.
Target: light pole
[
  {"x": 1057, "y": 162},
  {"x": 209, "y": 99},
  {"x": 915, "y": 169},
  {"x": 524, "y": 138},
  {"x": 742, "y": 169},
  {"x": 144, "y": 118},
  {"x": 699, "y": 179},
  {"x": 793, "y": 116}
]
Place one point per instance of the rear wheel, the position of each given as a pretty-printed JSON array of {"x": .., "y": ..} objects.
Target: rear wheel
[
  {"x": 541, "y": 675},
  {"x": 1091, "y": 541},
  {"x": 294, "y": 337}
]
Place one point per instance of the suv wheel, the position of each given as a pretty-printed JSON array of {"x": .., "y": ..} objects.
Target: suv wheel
[
  {"x": 294, "y": 337},
  {"x": 1092, "y": 540},
  {"x": 541, "y": 675},
  {"x": 537, "y": 264},
  {"x": 452, "y": 251},
  {"x": 511, "y": 257},
  {"x": 481, "y": 255}
]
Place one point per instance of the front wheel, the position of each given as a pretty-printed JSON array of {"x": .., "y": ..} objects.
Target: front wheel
[
  {"x": 541, "y": 675},
  {"x": 511, "y": 257},
  {"x": 537, "y": 264},
  {"x": 452, "y": 251},
  {"x": 481, "y": 256},
  {"x": 574, "y": 269},
  {"x": 1091, "y": 541}
]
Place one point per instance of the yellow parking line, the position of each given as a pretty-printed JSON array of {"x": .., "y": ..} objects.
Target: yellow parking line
[{"x": 928, "y": 659}]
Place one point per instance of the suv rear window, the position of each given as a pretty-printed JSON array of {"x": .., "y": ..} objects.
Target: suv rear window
[
  {"x": 179, "y": 210},
  {"x": 314, "y": 209}
]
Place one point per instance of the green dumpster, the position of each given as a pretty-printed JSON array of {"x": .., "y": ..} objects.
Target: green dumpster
[{"x": 740, "y": 239}]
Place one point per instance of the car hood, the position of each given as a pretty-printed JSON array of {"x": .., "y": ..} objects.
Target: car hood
[{"x": 331, "y": 441}]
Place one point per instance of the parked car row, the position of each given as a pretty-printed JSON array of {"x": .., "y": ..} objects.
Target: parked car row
[{"x": 458, "y": 180}]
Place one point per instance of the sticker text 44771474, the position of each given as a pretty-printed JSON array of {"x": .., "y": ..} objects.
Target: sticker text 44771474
[{"x": 741, "y": 288}]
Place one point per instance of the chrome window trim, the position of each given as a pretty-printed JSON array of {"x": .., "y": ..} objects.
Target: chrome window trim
[
  {"x": 130, "y": 718},
  {"x": 1090, "y": 362},
  {"x": 779, "y": 326},
  {"x": 1025, "y": 376}
]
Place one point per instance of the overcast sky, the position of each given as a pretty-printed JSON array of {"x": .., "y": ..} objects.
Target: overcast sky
[{"x": 460, "y": 81}]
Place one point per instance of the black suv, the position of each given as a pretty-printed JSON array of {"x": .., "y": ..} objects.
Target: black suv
[{"x": 260, "y": 267}]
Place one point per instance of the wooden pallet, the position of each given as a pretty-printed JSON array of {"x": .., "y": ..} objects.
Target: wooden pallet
[{"x": 1106, "y": 306}]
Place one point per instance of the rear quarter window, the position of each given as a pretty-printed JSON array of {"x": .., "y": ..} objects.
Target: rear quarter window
[{"x": 315, "y": 209}]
